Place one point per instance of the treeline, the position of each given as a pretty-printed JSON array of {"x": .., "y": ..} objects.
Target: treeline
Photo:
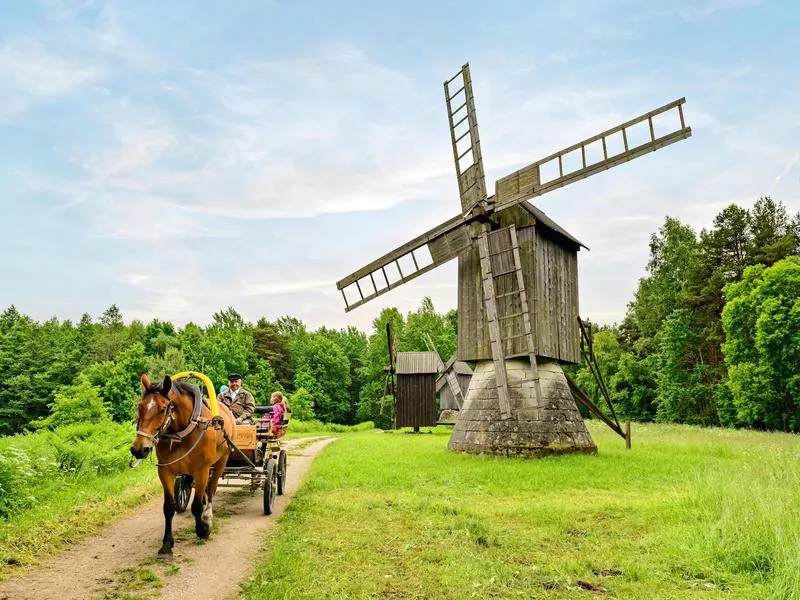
[
  {"x": 59, "y": 372},
  {"x": 712, "y": 335}
]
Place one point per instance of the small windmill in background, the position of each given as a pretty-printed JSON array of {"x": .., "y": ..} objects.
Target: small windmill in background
[{"x": 390, "y": 370}]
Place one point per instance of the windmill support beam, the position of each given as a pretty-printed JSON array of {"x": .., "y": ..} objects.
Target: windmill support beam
[{"x": 584, "y": 399}]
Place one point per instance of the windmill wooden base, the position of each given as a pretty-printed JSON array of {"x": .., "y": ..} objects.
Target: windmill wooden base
[{"x": 552, "y": 425}]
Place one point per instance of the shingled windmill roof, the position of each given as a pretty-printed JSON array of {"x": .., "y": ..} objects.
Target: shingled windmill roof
[
  {"x": 550, "y": 224},
  {"x": 415, "y": 363}
]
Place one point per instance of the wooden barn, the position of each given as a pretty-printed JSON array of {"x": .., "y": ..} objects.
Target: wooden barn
[
  {"x": 415, "y": 391},
  {"x": 463, "y": 374},
  {"x": 549, "y": 265}
]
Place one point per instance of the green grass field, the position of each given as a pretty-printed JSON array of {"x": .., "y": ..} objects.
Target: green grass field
[
  {"x": 57, "y": 488},
  {"x": 687, "y": 513}
]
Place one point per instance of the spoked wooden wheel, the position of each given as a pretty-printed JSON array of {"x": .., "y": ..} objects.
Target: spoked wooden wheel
[
  {"x": 281, "y": 472},
  {"x": 183, "y": 491},
  {"x": 270, "y": 485}
]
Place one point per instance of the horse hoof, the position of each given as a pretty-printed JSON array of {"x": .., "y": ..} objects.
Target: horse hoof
[
  {"x": 164, "y": 553},
  {"x": 203, "y": 532}
]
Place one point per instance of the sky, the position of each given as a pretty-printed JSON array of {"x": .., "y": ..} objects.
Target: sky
[{"x": 177, "y": 158}]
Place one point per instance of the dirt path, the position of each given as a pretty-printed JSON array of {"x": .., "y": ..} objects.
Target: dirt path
[{"x": 121, "y": 562}]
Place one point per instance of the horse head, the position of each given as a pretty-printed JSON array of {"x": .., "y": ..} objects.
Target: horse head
[{"x": 156, "y": 412}]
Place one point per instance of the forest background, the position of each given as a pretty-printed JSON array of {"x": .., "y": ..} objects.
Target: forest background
[{"x": 711, "y": 337}]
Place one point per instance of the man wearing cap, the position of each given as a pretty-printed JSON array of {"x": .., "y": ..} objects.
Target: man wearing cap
[{"x": 238, "y": 399}]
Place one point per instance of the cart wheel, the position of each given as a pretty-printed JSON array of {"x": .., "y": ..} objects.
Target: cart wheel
[
  {"x": 281, "y": 472},
  {"x": 270, "y": 483},
  {"x": 183, "y": 491}
]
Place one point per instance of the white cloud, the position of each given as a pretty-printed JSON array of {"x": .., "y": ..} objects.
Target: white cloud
[
  {"x": 171, "y": 152},
  {"x": 698, "y": 11},
  {"x": 283, "y": 287},
  {"x": 30, "y": 74}
]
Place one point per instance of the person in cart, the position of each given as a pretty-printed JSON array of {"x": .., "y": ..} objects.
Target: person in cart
[
  {"x": 238, "y": 399},
  {"x": 275, "y": 420}
]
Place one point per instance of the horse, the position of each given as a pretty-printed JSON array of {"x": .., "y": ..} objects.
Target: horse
[{"x": 174, "y": 418}]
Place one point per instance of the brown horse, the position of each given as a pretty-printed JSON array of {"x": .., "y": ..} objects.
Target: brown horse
[{"x": 175, "y": 419}]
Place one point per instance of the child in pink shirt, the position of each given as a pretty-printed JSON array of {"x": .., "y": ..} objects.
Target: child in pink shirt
[{"x": 277, "y": 411}]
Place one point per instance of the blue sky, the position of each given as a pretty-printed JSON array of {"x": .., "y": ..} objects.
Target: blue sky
[{"x": 176, "y": 158}]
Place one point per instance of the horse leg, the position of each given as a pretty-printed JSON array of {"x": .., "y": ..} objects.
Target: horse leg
[
  {"x": 168, "y": 483},
  {"x": 201, "y": 505}
]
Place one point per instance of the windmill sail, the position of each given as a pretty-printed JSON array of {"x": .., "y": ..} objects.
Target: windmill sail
[
  {"x": 465, "y": 140},
  {"x": 420, "y": 255},
  {"x": 528, "y": 182}
]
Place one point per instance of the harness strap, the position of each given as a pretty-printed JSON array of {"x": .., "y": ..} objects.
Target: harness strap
[{"x": 189, "y": 451}]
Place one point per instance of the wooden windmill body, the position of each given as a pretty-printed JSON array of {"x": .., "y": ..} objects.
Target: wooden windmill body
[{"x": 518, "y": 318}]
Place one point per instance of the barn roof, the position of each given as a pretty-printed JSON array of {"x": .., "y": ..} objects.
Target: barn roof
[{"x": 415, "y": 363}]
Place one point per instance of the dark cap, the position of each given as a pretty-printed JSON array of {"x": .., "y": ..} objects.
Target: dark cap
[{"x": 233, "y": 376}]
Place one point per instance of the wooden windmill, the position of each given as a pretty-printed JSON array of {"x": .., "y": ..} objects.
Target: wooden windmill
[{"x": 517, "y": 300}]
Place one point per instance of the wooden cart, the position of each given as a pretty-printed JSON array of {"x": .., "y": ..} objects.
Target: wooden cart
[{"x": 257, "y": 460}]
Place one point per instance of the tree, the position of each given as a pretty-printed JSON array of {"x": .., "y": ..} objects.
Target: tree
[
  {"x": 226, "y": 346},
  {"x": 111, "y": 337},
  {"x": 261, "y": 382},
  {"x": 762, "y": 345},
  {"x": 158, "y": 336},
  {"x": 673, "y": 254},
  {"x": 173, "y": 361},
  {"x": 271, "y": 345},
  {"x": 322, "y": 368},
  {"x": 301, "y": 404},
  {"x": 354, "y": 345},
  {"x": 685, "y": 388},
  {"x": 774, "y": 235},
  {"x": 633, "y": 387},
  {"x": 427, "y": 322},
  {"x": 77, "y": 403}
]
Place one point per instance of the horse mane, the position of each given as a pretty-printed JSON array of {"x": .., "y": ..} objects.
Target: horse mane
[{"x": 180, "y": 386}]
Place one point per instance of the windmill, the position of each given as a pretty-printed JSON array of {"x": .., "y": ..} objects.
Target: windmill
[
  {"x": 391, "y": 369},
  {"x": 517, "y": 289}
]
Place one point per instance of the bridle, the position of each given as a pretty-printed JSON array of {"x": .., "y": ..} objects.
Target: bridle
[
  {"x": 162, "y": 435},
  {"x": 162, "y": 429}
]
